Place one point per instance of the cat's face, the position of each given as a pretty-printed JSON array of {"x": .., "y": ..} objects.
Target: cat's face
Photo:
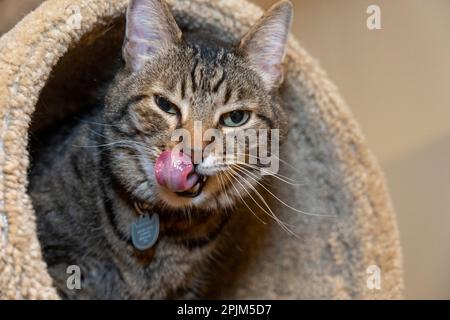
[{"x": 170, "y": 83}]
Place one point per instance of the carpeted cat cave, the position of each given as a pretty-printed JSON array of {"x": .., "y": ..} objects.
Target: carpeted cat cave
[{"x": 53, "y": 63}]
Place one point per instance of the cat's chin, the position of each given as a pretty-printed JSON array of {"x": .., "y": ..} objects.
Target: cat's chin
[
  {"x": 202, "y": 199},
  {"x": 175, "y": 200}
]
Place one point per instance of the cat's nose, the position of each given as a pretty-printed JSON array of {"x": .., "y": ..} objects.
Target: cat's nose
[
  {"x": 175, "y": 171},
  {"x": 196, "y": 155}
]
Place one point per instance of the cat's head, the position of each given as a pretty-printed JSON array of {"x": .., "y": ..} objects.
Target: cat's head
[{"x": 171, "y": 82}]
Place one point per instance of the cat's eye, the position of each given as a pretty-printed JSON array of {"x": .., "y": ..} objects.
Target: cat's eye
[
  {"x": 165, "y": 105},
  {"x": 235, "y": 118}
]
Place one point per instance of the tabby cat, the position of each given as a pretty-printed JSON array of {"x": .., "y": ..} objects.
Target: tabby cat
[{"x": 97, "y": 176}]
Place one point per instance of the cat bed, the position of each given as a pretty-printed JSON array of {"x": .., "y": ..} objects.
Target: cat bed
[{"x": 53, "y": 63}]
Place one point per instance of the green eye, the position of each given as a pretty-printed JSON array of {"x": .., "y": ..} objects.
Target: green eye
[
  {"x": 165, "y": 105},
  {"x": 235, "y": 118}
]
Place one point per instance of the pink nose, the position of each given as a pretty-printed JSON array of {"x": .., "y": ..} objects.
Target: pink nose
[{"x": 175, "y": 171}]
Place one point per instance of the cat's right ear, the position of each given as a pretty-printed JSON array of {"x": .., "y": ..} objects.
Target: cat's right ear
[{"x": 150, "y": 29}]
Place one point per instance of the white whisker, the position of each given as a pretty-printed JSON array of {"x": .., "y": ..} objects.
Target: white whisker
[
  {"x": 227, "y": 175},
  {"x": 284, "y": 225},
  {"x": 284, "y": 203}
]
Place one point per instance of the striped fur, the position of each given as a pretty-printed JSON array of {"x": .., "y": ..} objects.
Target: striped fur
[{"x": 85, "y": 182}]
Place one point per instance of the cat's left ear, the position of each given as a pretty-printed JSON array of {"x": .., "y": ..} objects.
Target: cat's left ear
[
  {"x": 150, "y": 29},
  {"x": 265, "y": 43}
]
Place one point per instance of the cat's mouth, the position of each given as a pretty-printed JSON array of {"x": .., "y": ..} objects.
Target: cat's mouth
[
  {"x": 175, "y": 171},
  {"x": 196, "y": 189}
]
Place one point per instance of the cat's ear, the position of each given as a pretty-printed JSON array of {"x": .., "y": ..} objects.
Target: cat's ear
[
  {"x": 265, "y": 43},
  {"x": 150, "y": 29}
]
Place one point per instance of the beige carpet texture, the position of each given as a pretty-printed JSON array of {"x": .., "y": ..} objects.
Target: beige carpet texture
[{"x": 343, "y": 227}]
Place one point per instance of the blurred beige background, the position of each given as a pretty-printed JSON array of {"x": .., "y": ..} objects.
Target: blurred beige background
[{"x": 397, "y": 82}]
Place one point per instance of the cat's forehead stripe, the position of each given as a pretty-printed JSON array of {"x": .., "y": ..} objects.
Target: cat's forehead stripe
[{"x": 207, "y": 74}]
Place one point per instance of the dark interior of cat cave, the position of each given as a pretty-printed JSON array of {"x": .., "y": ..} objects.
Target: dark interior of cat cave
[{"x": 77, "y": 80}]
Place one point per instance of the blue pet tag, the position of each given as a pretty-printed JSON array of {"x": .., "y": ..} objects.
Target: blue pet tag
[{"x": 145, "y": 231}]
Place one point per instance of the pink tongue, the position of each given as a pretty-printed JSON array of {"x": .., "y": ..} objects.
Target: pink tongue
[{"x": 175, "y": 171}]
